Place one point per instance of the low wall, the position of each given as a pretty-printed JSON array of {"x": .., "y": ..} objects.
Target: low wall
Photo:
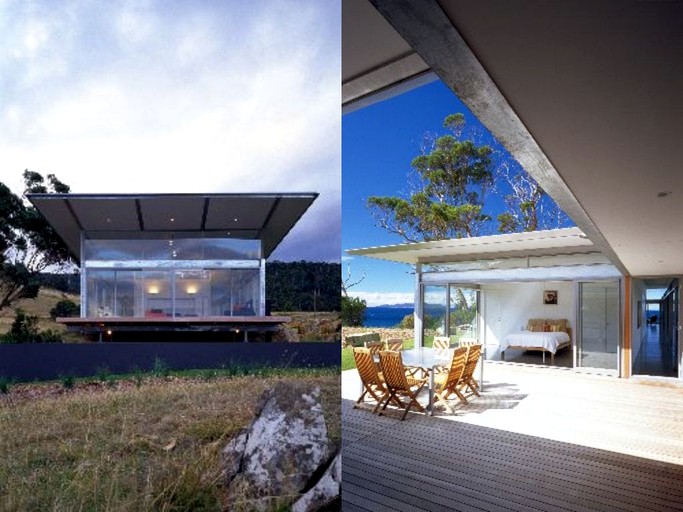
[{"x": 26, "y": 362}]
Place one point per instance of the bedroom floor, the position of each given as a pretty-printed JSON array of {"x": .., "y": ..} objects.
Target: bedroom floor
[{"x": 563, "y": 358}]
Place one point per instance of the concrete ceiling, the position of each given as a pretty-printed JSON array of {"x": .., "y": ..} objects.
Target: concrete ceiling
[{"x": 585, "y": 95}]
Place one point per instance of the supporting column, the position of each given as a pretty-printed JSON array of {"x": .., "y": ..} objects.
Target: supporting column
[
  {"x": 418, "y": 314},
  {"x": 627, "y": 328},
  {"x": 262, "y": 290}
]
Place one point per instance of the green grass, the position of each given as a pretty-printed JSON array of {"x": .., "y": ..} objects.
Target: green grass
[
  {"x": 347, "y": 362},
  {"x": 153, "y": 446}
]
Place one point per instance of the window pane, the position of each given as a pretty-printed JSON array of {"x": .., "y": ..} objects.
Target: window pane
[{"x": 100, "y": 289}]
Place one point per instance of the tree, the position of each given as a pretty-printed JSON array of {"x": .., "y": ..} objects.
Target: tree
[
  {"x": 452, "y": 181},
  {"x": 352, "y": 311},
  {"x": 454, "y": 177},
  {"x": 529, "y": 208},
  {"x": 28, "y": 244}
]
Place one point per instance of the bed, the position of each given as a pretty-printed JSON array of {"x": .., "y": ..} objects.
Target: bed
[{"x": 541, "y": 335}]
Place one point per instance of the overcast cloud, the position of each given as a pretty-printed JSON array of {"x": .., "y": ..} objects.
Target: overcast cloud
[{"x": 154, "y": 96}]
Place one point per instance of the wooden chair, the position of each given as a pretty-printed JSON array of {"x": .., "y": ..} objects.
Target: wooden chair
[
  {"x": 468, "y": 342},
  {"x": 374, "y": 346},
  {"x": 394, "y": 344},
  {"x": 468, "y": 380},
  {"x": 373, "y": 380},
  {"x": 442, "y": 342},
  {"x": 446, "y": 384},
  {"x": 398, "y": 383}
]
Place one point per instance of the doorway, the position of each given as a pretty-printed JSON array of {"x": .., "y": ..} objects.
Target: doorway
[
  {"x": 598, "y": 326},
  {"x": 659, "y": 347}
]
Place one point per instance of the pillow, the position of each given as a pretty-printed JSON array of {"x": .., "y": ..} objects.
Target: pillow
[
  {"x": 546, "y": 328},
  {"x": 554, "y": 328},
  {"x": 560, "y": 323},
  {"x": 535, "y": 325}
]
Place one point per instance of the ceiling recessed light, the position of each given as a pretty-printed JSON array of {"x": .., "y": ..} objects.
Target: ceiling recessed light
[
  {"x": 108, "y": 219},
  {"x": 235, "y": 219},
  {"x": 172, "y": 219},
  {"x": 228, "y": 233},
  {"x": 665, "y": 193}
]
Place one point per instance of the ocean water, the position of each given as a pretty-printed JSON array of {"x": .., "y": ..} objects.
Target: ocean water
[{"x": 385, "y": 317}]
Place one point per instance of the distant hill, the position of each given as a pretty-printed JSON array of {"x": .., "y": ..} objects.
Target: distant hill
[{"x": 397, "y": 306}]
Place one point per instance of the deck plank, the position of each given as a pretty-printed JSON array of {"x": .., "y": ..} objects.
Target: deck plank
[{"x": 464, "y": 462}]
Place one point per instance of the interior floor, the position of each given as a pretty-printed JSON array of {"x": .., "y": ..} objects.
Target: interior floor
[
  {"x": 563, "y": 358},
  {"x": 657, "y": 356}
]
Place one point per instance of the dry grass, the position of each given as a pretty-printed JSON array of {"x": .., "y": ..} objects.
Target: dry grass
[
  {"x": 40, "y": 306},
  {"x": 320, "y": 326},
  {"x": 129, "y": 447}
]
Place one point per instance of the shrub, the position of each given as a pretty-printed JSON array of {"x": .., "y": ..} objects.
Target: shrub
[
  {"x": 65, "y": 308},
  {"x": 49, "y": 336},
  {"x": 24, "y": 328},
  {"x": 160, "y": 368},
  {"x": 353, "y": 311},
  {"x": 68, "y": 381},
  {"x": 5, "y": 384}
]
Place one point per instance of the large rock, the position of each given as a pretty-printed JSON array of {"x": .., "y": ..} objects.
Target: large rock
[
  {"x": 271, "y": 463},
  {"x": 325, "y": 491}
]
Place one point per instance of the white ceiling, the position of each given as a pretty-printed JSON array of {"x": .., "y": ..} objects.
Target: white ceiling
[{"x": 598, "y": 86}]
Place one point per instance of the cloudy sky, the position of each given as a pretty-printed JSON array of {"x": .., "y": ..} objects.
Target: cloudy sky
[{"x": 152, "y": 96}]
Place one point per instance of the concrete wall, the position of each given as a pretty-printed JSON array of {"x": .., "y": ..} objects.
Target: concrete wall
[
  {"x": 508, "y": 306},
  {"x": 26, "y": 362}
]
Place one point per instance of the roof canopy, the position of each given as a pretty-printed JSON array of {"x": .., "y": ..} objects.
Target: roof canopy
[
  {"x": 265, "y": 217},
  {"x": 535, "y": 243}
]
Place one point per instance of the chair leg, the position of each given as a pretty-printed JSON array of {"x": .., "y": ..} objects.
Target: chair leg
[{"x": 437, "y": 396}]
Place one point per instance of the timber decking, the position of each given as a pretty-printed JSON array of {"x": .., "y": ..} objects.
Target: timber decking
[{"x": 461, "y": 463}]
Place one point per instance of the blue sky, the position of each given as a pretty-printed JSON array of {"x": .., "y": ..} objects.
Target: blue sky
[
  {"x": 378, "y": 144},
  {"x": 152, "y": 96}
]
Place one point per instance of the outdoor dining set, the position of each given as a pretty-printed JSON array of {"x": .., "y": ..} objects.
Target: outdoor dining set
[{"x": 389, "y": 374}]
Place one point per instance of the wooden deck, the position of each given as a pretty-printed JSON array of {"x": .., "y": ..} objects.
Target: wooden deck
[{"x": 538, "y": 439}]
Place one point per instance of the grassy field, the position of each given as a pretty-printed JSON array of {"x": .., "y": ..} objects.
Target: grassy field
[{"x": 135, "y": 444}]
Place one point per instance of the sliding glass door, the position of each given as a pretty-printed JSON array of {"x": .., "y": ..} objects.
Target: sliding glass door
[{"x": 598, "y": 325}]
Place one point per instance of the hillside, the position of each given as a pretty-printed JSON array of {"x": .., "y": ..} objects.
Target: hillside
[{"x": 40, "y": 307}]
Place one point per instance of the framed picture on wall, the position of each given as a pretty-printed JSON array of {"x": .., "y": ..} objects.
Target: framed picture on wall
[{"x": 550, "y": 297}]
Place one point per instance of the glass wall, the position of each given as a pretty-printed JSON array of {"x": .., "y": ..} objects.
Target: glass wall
[
  {"x": 598, "y": 341},
  {"x": 173, "y": 292},
  {"x": 463, "y": 319},
  {"x": 435, "y": 313}
]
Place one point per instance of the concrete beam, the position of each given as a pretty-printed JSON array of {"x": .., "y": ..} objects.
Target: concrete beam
[{"x": 428, "y": 30}]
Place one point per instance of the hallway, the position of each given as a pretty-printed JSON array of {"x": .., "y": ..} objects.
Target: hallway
[{"x": 657, "y": 356}]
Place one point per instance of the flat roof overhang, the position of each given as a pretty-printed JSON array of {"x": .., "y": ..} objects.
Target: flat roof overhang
[
  {"x": 551, "y": 242},
  {"x": 207, "y": 323},
  {"x": 260, "y": 216}
]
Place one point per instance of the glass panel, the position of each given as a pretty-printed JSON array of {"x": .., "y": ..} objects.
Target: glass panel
[
  {"x": 157, "y": 294},
  {"x": 124, "y": 304},
  {"x": 192, "y": 292},
  {"x": 221, "y": 282},
  {"x": 434, "y": 310},
  {"x": 462, "y": 314},
  {"x": 100, "y": 290},
  {"x": 172, "y": 249},
  {"x": 245, "y": 292},
  {"x": 599, "y": 321}
]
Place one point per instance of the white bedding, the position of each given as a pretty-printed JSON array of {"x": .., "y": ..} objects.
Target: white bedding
[{"x": 548, "y": 340}]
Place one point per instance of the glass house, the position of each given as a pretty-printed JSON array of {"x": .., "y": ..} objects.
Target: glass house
[{"x": 173, "y": 261}]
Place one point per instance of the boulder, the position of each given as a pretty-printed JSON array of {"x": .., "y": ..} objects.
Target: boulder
[
  {"x": 275, "y": 459},
  {"x": 286, "y": 334},
  {"x": 325, "y": 492},
  {"x": 357, "y": 340}
]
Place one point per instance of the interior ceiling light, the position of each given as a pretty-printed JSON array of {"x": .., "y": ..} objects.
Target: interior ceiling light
[
  {"x": 172, "y": 219},
  {"x": 665, "y": 193},
  {"x": 235, "y": 219}
]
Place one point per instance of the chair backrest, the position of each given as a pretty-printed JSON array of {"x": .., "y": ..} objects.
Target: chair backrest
[
  {"x": 374, "y": 346},
  {"x": 441, "y": 342},
  {"x": 473, "y": 353},
  {"x": 393, "y": 370},
  {"x": 394, "y": 344},
  {"x": 468, "y": 342},
  {"x": 457, "y": 368},
  {"x": 366, "y": 366}
]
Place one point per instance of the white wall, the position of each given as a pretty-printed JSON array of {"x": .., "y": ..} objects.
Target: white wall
[{"x": 508, "y": 306}]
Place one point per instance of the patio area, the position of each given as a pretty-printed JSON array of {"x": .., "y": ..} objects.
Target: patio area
[{"x": 538, "y": 438}]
